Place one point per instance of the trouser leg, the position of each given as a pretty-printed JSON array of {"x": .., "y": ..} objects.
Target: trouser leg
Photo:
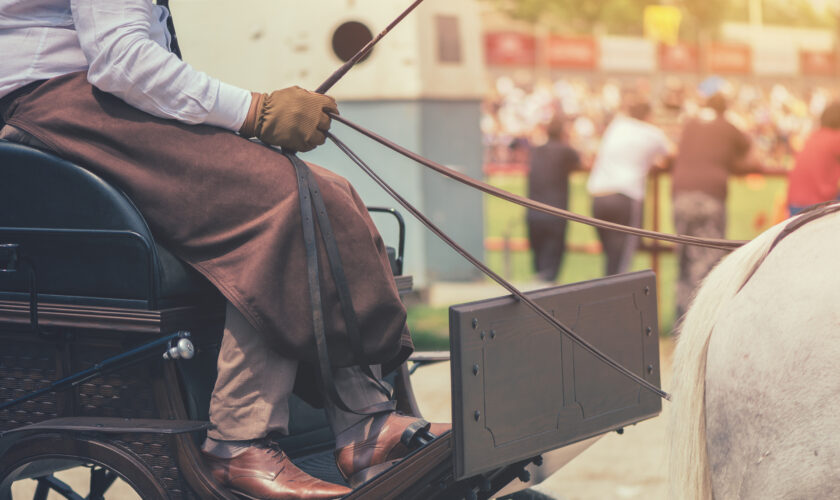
[
  {"x": 358, "y": 391},
  {"x": 631, "y": 241},
  {"x": 547, "y": 238},
  {"x": 14, "y": 134},
  {"x": 253, "y": 386},
  {"x": 696, "y": 214},
  {"x": 612, "y": 208}
]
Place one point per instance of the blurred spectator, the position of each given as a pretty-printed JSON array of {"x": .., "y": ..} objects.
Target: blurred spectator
[
  {"x": 710, "y": 148},
  {"x": 629, "y": 148},
  {"x": 778, "y": 118},
  {"x": 548, "y": 182},
  {"x": 816, "y": 173}
]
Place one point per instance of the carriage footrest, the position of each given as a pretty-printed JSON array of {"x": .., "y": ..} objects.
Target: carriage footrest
[
  {"x": 424, "y": 474},
  {"x": 112, "y": 425}
]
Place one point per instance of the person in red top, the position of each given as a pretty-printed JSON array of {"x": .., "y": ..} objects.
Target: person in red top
[{"x": 816, "y": 173}]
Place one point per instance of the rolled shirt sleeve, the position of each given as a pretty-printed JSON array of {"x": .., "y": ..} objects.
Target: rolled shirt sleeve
[{"x": 124, "y": 42}]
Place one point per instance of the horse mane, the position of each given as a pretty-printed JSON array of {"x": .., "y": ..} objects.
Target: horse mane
[{"x": 689, "y": 467}]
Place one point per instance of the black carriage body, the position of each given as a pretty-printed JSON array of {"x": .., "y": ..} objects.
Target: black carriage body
[
  {"x": 75, "y": 251},
  {"x": 86, "y": 260},
  {"x": 89, "y": 282}
]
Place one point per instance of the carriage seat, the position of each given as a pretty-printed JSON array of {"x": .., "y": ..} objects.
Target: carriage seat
[{"x": 84, "y": 240}]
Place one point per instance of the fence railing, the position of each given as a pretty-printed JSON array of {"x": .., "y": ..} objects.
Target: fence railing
[{"x": 518, "y": 166}]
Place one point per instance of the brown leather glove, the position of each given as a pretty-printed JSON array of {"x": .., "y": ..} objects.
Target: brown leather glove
[{"x": 292, "y": 118}]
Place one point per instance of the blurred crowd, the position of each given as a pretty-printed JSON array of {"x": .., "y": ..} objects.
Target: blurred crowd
[{"x": 777, "y": 117}]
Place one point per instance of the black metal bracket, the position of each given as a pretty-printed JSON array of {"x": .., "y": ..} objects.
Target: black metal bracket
[
  {"x": 401, "y": 224},
  {"x": 10, "y": 262},
  {"x": 8, "y": 257}
]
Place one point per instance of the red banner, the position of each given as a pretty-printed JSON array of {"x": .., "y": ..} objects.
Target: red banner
[
  {"x": 576, "y": 53},
  {"x": 730, "y": 59},
  {"x": 679, "y": 57},
  {"x": 510, "y": 49},
  {"x": 818, "y": 63}
]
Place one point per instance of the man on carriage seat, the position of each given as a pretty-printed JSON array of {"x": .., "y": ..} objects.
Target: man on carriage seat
[{"x": 100, "y": 83}]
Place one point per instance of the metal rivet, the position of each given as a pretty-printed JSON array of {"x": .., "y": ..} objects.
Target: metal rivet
[
  {"x": 648, "y": 331},
  {"x": 475, "y": 323},
  {"x": 492, "y": 334},
  {"x": 619, "y": 431},
  {"x": 481, "y": 334},
  {"x": 475, "y": 369},
  {"x": 647, "y": 290},
  {"x": 650, "y": 369},
  {"x": 477, "y": 415}
]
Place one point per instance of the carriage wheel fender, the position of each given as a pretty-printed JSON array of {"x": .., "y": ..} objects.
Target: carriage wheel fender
[{"x": 64, "y": 446}]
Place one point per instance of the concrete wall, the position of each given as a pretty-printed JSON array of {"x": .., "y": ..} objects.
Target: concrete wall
[{"x": 442, "y": 131}]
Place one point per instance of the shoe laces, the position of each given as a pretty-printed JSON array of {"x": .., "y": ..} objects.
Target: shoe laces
[{"x": 272, "y": 448}]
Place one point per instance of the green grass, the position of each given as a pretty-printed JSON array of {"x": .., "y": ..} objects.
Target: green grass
[
  {"x": 754, "y": 204},
  {"x": 429, "y": 327}
]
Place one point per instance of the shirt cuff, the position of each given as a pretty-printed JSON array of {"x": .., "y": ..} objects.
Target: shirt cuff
[{"x": 231, "y": 107}]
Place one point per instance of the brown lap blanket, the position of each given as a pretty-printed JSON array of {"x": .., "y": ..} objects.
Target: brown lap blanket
[{"x": 229, "y": 207}]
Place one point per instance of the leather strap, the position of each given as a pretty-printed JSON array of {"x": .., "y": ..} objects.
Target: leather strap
[
  {"x": 808, "y": 215},
  {"x": 548, "y": 317},
  {"x": 310, "y": 195},
  {"x": 535, "y": 205}
]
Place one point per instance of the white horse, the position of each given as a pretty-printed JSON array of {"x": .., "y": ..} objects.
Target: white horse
[{"x": 756, "y": 409}]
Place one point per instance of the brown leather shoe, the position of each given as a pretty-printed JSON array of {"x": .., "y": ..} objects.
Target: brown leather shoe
[
  {"x": 265, "y": 472},
  {"x": 378, "y": 446}
]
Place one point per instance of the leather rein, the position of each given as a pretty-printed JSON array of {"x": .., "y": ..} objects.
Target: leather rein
[{"x": 310, "y": 195}]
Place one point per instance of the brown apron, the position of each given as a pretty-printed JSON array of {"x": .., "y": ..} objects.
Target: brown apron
[{"x": 229, "y": 207}]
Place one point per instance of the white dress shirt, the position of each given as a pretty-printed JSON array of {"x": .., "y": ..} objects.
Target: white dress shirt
[
  {"x": 124, "y": 47},
  {"x": 626, "y": 154}
]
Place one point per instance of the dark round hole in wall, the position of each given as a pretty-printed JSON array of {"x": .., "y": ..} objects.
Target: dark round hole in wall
[{"x": 349, "y": 38}]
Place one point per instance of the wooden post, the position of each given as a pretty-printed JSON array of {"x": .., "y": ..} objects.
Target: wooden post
[{"x": 655, "y": 245}]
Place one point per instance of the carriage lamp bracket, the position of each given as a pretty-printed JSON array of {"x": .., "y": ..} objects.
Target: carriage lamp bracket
[
  {"x": 401, "y": 237},
  {"x": 11, "y": 262},
  {"x": 180, "y": 347}
]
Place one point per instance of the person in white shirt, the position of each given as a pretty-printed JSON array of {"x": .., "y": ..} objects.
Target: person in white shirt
[
  {"x": 630, "y": 147},
  {"x": 96, "y": 82}
]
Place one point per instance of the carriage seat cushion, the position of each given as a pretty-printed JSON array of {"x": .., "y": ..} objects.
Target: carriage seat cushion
[{"x": 84, "y": 237}]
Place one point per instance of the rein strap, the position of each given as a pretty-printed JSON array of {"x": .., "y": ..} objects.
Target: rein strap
[
  {"x": 541, "y": 207},
  {"x": 580, "y": 341}
]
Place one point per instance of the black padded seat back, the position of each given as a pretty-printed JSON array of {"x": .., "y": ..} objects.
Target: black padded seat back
[
  {"x": 68, "y": 196},
  {"x": 85, "y": 239}
]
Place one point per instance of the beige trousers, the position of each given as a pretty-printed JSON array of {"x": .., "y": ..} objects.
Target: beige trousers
[{"x": 251, "y": 396}]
